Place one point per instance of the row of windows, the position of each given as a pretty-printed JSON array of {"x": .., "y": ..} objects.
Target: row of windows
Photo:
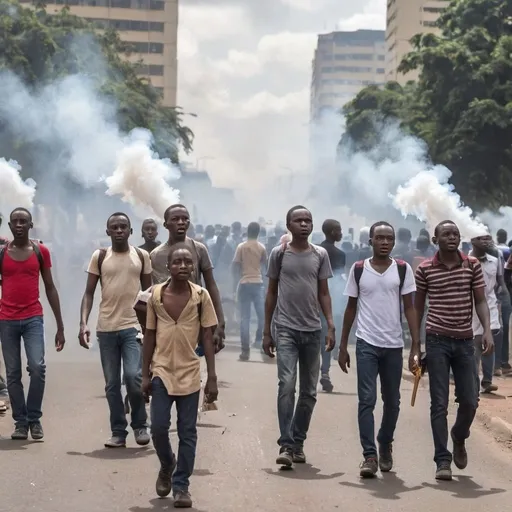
[
  {"x": 139, "y": 26},
  {"x": 352, "y": 56},
  {"x": 340, "y": 81},
  {"x": 350, "y": 69},
  {"x": 429, "y": 23},
  {"x": 150, "y": 70},
  {"x": 433, "y": 9},
  {"x": 145, "y": 47},
  {"x": 154, "y": 5}
]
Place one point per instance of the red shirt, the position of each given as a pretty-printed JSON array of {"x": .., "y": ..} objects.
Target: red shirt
[
  {"x": 450, "y": 294},
  {"x": 20, "y": 286}
]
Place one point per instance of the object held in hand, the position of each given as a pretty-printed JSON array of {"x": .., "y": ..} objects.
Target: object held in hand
[
  {"x": 418, "y": 373},
  {"x": 208, "y": 406}
]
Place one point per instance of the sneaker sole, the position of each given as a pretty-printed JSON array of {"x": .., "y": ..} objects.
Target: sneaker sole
[
  {"x": 19, "y": 438},
  {"x": 299, "y": 461},
  {"x": 115, "y": 445},
  {"x": 444, "y": 478},
  {"x": 385, "y": 469},
  {"x": 178, "y": 504},
  {"x": 367, "y": 474},
  {"x": 282, "y": 461},
  {"x": 142, "y": 443}
]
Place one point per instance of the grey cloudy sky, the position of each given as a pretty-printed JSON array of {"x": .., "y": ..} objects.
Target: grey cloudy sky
[{"x": 245, "y": 69}]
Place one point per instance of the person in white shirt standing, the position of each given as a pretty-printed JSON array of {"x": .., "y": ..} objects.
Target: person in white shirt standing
[
  {"x": 374, "y": 289},
  {"x": 493, "y": 271}
]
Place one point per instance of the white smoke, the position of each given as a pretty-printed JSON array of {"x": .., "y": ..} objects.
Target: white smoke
[
  {"x": 15, "y": 192},
  {"x": 140, "y": 177}
]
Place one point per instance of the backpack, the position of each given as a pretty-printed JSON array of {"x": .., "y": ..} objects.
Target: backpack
[
  {"x": 280, "y": 256},
  {"x": 103, "y": 253},
  {"x": 35, "y": 247}
]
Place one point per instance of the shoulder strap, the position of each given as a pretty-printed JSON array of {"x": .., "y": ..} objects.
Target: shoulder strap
[
  {"x": 280, "y": 257},
  {"x": 101, "y": 259},
  {"x": 37, "y": 251},
  {"x": 358, "y": 271},
  {"x": 200, "y": 304},
  {"x": 2, "y": 253},
  {"x": 402, "y": 270},
  {"x": 141, "y": 258}
]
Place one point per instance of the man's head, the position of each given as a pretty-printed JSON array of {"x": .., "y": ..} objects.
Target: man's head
[
  {"x": 149, "y": 230},
  {"x": 209, "y": 232},
  {"x": 20, "y": 223},
  {"x": 225, "y": 230},
  {"x": 424, "y": 232},
  {"x": 180, "y": 262},
  {"x": 404, "y": 235},
  {"x": 364, "y": 235},
  {"x": 199, "y": 229},
  {"x": 253, "y": 230},
  {"x": 119, "y": 227},
  {"x": 447, "y": 236},
  {"x": 236, "y": 229},
  {"x": 382, "y": 238},
  {"x": 299, "y": 222},
  {"x": 263, "y": 231},
  {"x": 332, "y": 230},
  {"x": 482, "y": 244},
  {"x": 177, "y": 222},
  {"x": 422, "y": 243},
  {"x": 501, "y": 236}
]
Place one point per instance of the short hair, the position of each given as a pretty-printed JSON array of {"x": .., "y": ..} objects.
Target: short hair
[
  {"x": 377, "y": 224},
  {"x": 424, "y": 232},
  {"x": 329, "y": 225},
  {"x": 119, "y": 214},
  {"x": 148, "y": 221},
  {"x": 178, "y": 247},
  {"x": 236, "y": 225},
  {"x": 21, "y": 209},
  {"x": 263, "y": 230},
  {"x": 442, "y": 223},
  {"x": 253, "y": 230},
  {"x": 404, "y": 235},
  {"x": 294, "y": 209},
  {"x": 422, "y": 243},
  {"x": 172, "y": 207},
  {"x": 501, "y": 234}
]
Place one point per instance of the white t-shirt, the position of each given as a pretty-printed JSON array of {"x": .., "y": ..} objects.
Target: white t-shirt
[{"x": 379, "y": 304}]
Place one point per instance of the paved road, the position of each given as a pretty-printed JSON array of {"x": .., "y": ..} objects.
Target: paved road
[{"x": 235, "y": 471}]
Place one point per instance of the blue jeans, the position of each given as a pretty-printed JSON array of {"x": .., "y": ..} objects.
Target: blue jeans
[
  {"x": 386, "y": 363},
  {"x": 186, "y": 409},
  {"x": 326, "y": 358},
  {"x": 503, "y": 357},
  {"x": 248, "y": 294},
  {"x": 32, "y": 332},
  {"x": 303, "y": 348},
  {"x": 118, "y": 347},
  {"x": 488, "y": 360},
  {"x": 442, "y": 353}
]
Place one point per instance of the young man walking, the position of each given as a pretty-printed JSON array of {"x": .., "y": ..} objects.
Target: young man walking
[
  {"x": 21, "y": 316},
  {"x": 250, "y": 258},
  {"x": 376, "y": 289},
  {"x": 297, "y": 290},
  {"x": 149, "y": 234},
  {"x": 337, "y": 258},
  {"x": 177, "y": 222},
  {"x": 122, "y": 271},
  {"x": 453, "y": 283},
  {"x": 177, "y": 312}
]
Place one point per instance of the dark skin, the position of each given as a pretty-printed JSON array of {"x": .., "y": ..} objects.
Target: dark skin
[
  {"x": 119, "y": 231},
  {"x": 149, "y": 234},
  {"x": 382, "y": 243},
  {"x": 300, "y": 227},
  {"x": 20, "y": 249},
  {"x": 175, "y": 298},
  {"x": 177, "y": 223},
  {"x": 448, "y": 240},
  {"x": 335, "y": 234}
]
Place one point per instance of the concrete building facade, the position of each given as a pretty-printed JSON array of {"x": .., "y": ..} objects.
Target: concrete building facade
[
  {"x": 405, "y": 19},
  {"x": 151, "y": 26}
]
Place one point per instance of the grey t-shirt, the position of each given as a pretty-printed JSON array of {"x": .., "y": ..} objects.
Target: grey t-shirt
[{"x": 297, "y": 301}]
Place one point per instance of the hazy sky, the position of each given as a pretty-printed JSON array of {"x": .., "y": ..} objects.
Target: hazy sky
[{"x": 245, "y": 69}]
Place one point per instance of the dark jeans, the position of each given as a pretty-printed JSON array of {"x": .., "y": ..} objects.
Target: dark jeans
[
  {"x": 444, "y": 353},
  {"x": 186, "y": 408},
  {"x": 503, "y": 358},
  {"x": 325, "y": 362},
  {"x": 303, "y": 348},
  {"x": 116, "y": 348},
  {"x": 386, "y": 363},
  {"x": 250, "y": 294},
  {"x": 488, "y": 361},
  {"x": 32, "y": 332}
]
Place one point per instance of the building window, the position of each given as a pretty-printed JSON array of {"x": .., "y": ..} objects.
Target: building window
[
  {"x": 154, "y": 5},
  {"x": 381, "y": 57},
  {"x": 145, "y": 47},
  {"x": 381, "y": 71},
  {"x": 354, "y": 56},
  {"x": 429, "y": 23},
  {"x": 352, "y": 69},
  {"x": 151, "y": 70},
  {"x": 138, "y": 26},
  {"x": 433, "y": 9}
]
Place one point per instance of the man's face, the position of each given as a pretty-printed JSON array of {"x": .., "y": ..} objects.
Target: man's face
[
  {"x": 301, "y": 224},
  {"x": 177, "y": 223},
  {"x": 337, "y": 233},
  {"x": 448, "y": 238},
  {"x": 149, "y": 231},
  {"x": 482, "y": 243},
  {"x": 20, "y": 224},
  {"x": 181, "y": 264},
  {"x": 119, "y": 229},
  {"x": 383, "y": 240}
]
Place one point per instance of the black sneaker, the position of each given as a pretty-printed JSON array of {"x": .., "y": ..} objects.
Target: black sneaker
[
  {"x": 36, "y": 431},
  {"x": 299, "y": 457},
  {"x": 285, "y": 458},
  {"x": 385, "y": 457},
  {"x": 369, "y": 467},
  {"x": 164, "y": 480},
  {"x": 326, "y": 383},
  {"x": 244, "y": 356},
  {"x": 20, "y": 434},
  {"x": 460, "y": 455},
  {"x": 182, "y": 499},
  {"x": 488, "y": 387},
  {"x": 444, "y": 471}
]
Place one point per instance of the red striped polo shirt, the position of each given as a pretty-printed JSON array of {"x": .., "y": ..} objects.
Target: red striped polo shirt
[{"x": 450, "y": 294}]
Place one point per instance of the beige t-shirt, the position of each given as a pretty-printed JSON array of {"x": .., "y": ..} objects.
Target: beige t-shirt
[
  {"x": 175, "y": 360},
  {"x": 120, "y": 284},
  {"x": 251, "y": 255},
  {"x": 159, "y": 255}
]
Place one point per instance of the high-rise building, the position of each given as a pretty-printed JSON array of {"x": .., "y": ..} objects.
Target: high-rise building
[
  {"x": 405, "y": 19},
  {"x": 343, "y": 64},
  {"x": 151, "y": 26}
]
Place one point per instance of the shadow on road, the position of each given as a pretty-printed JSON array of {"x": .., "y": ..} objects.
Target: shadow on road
[
  {"x": 202, "y": 472},
  {"x": 7, "y": 444},
  {"x": 389, "y": 487},
  {"x": 116, "y": 453},
  {"x": 161, "y": 504},
  {"x": 301, "y": 472},
  {"x": 339, "y": 393},
  {"x": 464, "y": 487},
  {"x": 492, "y": 396},
  {"x": 200, "y": 425}
]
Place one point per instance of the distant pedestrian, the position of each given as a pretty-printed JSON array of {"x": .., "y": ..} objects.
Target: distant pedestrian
[{"x": 149, "y": 234}]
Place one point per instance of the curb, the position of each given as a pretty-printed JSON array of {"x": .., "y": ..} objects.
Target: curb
[{"x": 499, "y": 427}]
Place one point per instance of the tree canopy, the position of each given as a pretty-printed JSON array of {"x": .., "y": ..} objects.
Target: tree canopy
[
  {"x": 461, "y": 105},
  {"x": 40, "y": 48}
]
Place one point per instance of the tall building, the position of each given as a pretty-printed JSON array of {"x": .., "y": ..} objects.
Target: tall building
[
  {"x": 343, "y": 64},
  {"x": 405, "y": 19},
  {"x": 151, "y": 26}
]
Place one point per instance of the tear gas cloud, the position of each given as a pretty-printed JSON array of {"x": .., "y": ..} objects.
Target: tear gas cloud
[{"x": 14, "y": 191}]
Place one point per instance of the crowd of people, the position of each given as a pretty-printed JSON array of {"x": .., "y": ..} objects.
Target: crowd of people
[{"x": 165, "y": 305}]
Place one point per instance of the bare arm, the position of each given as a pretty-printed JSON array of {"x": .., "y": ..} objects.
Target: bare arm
[
  {"x": 348, "y": 321},
  {"x": 236, "y": 272},
  {"x": 420, "y": 298},
  {"x": 141, "y": 310},
  {"x": 53, "y": 296},
  {"x": 482, "y": 309},
  {"x": 145, "y": 282},
  {"x": 412, "y": 319},
  {"x": 88, "y": 298},
  {"x": 213, "y": 290},
  {"x": 209, "y": 351},
  {"x": 324, "y": 298},
  {"x": 270, "y": 305},
  {"x": 148, "y": 349}
]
